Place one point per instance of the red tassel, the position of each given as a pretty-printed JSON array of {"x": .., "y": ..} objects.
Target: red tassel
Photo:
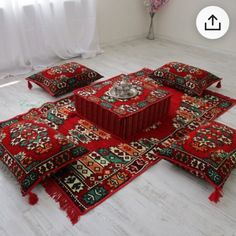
[
  {"x": 216, "y": 195},
  {"x": 33, "y": 198},
  {"x": 218, "y": 85},
  {"x": 64, "y": 201},
  {"x": 30, "y": 86}
]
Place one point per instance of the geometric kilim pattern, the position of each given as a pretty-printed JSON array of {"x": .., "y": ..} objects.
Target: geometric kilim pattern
[
  {"x": 208, "y": 151},
  {"x": 186, "y": 78},
  {"x": 64, "y": 78},
  {"x": 112, "y": 163},
  {"x": 32, "y": 151},
  {"x": 90, "y": 178}
]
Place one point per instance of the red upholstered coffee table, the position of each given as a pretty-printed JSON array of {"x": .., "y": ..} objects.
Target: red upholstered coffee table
[{"x": 123, "y": 118}]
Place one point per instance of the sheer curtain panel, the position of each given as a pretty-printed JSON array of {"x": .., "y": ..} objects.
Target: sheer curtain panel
[{"x": 36, "y": 33}]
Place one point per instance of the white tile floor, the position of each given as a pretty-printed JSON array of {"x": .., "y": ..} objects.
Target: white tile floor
[{"x": 162, "y": 201}]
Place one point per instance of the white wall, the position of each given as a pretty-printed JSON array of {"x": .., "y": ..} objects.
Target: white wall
[
  {"x": 120, "y": 20},
  {"x": 176, "y": 21}
]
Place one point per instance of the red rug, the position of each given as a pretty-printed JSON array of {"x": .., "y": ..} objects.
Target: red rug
[{"x": 112, "y": 163}]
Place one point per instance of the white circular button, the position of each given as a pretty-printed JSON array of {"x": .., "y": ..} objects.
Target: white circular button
[{"x": 212, "y": 22}]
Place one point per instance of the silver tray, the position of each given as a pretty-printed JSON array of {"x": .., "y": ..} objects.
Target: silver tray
[{"x": 130, "y": 94}]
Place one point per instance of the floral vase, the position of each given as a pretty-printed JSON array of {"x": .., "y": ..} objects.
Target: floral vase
[{"x": 150, "y": 34}]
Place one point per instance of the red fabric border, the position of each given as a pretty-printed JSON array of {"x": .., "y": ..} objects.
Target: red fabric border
[
  {"x": 53, "y": 189},
  {"x": 66, "y": 203},
  {"x": 217, "y": 188},
  {"x": 47, "y": 174}
]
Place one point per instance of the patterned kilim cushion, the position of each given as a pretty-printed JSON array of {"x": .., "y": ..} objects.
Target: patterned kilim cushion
[
  {"x": 32, "y": 151},
  {"x": 113, "y": 163},
  {"x": 63, "y": 79},
  {"x": 189, "y": 79},
  {"x": 208, "y": 152}
]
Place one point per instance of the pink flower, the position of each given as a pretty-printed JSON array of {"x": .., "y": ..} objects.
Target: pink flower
[{"x": 154, "y": 5}]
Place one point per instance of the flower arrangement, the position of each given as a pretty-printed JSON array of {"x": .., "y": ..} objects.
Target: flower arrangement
[{"x": 153, "y": 6}]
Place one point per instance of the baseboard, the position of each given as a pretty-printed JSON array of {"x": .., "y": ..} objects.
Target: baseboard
[
  {"x": 170, "y": 40},
  {"x": 122, "y": 40},
  {"x": 197, "y": 46}
]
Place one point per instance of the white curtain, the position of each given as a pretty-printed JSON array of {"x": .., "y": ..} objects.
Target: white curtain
[{"x": 36, "y": 33}]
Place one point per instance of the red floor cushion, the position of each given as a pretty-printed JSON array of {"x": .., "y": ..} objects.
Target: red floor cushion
[
  {"x": 208, "y": 152},
  {"x": 32, "y": 151},
  {"x": 59, "y": 80},
  {"x": 190, "y": 79}
]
